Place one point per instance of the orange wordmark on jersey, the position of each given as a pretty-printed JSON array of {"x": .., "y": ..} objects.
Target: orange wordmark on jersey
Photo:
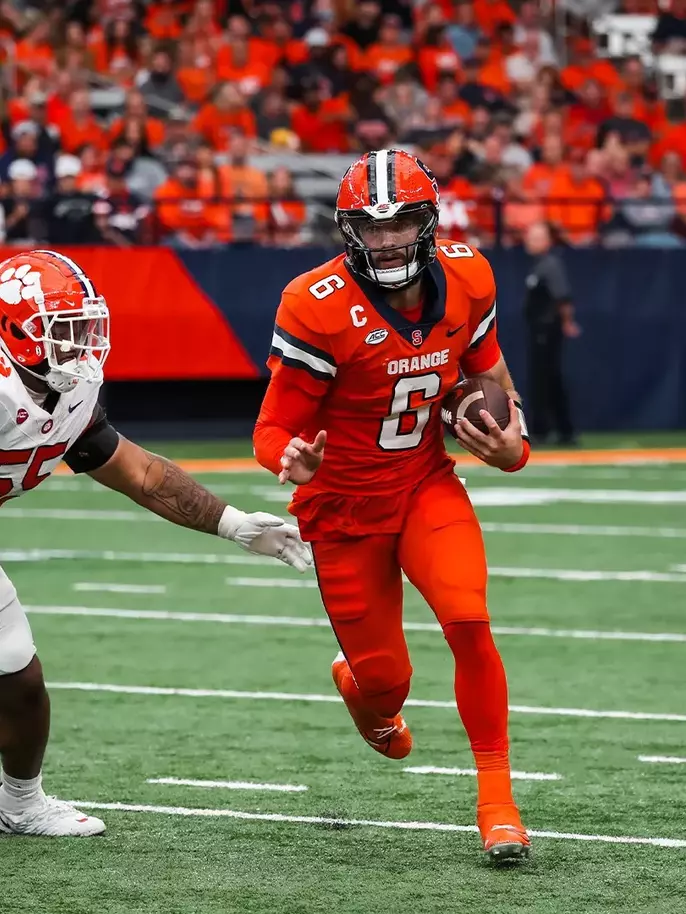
[{"x": 343, "y": 360}]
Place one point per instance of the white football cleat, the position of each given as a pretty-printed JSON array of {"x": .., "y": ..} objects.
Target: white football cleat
[{"x": 50, "y": 818}]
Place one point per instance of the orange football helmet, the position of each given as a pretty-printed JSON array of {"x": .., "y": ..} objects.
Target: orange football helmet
[
  {"x": 383, "y": 192},
  {"x": 53, "y": 324}
]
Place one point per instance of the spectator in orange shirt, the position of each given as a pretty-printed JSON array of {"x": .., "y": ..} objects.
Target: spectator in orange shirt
[
  {"x": 236, "y": 64},
  {"x": 34, "y": 55},
  {"x": 540, "y": 177},
  {"x": 248, "y": 189},
  {"x": 162, "y": 21},
  {"x": 587, "y": 66},
  {"x": 453, "y": 109},
  {"x": 390, "y": 53},
  {"x": 321, "y": 123},
  {"x": 188, "y": 217},
  {"x": 136, "y": 110},
  {"x": 74, "y": 45},
  {"x": 276, "y": 45},
  {"x": 202, "y": 21},
  {"x": 287, "y": 214},
  {"x": 117, "y": 55},
  {"x": 58, "y": 101},
  {"x": 521, "y": 209},
  {"x": 217, "y": 121},
  {"x": 91, "y": 179},
  {"x": 586, "y": 116},
  {"x": 490, "y": 13},
  {"x": 194, "y": 73},
  {"x": 437, "y": 58},
  {"x": 79, "y": 127},
  {"x": 576, "y": 202},
  {"x": 492, "y": 69}
]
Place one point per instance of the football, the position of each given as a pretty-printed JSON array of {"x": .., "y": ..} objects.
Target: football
[{"x": 472, "y": 395}]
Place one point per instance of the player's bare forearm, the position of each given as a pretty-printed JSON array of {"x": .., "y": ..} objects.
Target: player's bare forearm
[
  {"x": 501, "y": 375},
  {"x": 160, "y": 486}
]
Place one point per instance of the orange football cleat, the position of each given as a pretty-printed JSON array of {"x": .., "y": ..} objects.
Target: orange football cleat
[
  {"x": 389, "y": 736},
  {"x": 504, "y": 837}
]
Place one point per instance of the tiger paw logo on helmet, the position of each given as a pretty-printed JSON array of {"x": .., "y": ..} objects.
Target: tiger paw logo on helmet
[{"x": 20, "y": 283}]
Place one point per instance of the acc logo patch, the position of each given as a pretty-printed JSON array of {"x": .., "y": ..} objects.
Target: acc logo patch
[
  {"x": 376, "y": 337},
  {"x": 417, "y": 337},
  {"x": 22, "y": 416}
]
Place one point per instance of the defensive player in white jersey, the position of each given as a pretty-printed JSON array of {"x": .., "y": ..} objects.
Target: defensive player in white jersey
[{"x": 54, "y": 339}]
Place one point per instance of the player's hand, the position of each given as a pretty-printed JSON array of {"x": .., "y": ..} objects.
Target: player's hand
[
  {"x": 501, "y": 448},
  {"x": 301, "y": 460},
  {"x": 265, "y": 534}
]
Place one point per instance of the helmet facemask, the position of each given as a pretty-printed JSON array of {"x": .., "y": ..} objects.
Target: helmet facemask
[
  {"x": 414, "y": 223},
  {"x": 74, "y": 342}
]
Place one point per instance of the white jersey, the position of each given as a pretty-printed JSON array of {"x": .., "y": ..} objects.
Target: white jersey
[{"x": 33, "y": 441}]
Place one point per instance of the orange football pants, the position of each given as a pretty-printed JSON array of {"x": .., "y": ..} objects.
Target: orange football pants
[{"x": 440, "y": 548}]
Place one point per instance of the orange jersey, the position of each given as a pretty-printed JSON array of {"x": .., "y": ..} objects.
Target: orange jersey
[{"x": 343, "y": 360}]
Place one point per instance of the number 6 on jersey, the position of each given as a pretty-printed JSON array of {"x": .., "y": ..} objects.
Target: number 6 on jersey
[{"x": 391, "y": 437}]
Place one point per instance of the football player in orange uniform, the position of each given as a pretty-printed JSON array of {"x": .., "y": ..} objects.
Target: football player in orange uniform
[{"x": 365, "y": 347}]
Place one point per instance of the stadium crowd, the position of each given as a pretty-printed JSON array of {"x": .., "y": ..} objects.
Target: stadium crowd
[{"x": 126, "y": 122}]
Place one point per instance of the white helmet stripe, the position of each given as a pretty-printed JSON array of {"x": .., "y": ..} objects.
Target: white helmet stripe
[
  {"x": 381, "y": 169},
  {"x": 80, "y": 275}
]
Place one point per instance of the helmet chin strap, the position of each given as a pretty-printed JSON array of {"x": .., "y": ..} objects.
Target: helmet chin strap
[{"x": 54, "y": 380}]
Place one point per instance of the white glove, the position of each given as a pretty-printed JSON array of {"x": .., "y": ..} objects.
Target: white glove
[{"x": 265, "y": 534}]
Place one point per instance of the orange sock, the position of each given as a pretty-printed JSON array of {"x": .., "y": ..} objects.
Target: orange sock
[
  {"x": 493, "y": 778},
  {"x": 481, "y": 694}
]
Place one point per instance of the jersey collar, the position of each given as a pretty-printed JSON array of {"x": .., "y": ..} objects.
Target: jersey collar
[{"x": 433, "y": 310}]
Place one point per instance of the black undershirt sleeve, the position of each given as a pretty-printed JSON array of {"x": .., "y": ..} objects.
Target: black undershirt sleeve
[{"x": 95, "y": 445}]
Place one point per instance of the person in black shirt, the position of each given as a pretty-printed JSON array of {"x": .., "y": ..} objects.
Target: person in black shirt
[
  {"x": 69, "y": 212},
  {"x": 364, "y": 28},
  {"x": 549, "y": 316},
  {"x": 21, "y": 211}
]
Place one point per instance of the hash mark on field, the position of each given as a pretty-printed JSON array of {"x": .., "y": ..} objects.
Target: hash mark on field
[
  {"x": 471, "y": 772},
  {"x": 96, "y": 587},
  {"x": 368, "y": 823},
  {"x": 229, "y": 785},
  {"x": 161, "y": 615},
  {"x": 336, "y": 699},
  {"x": 662, "y": 759}
]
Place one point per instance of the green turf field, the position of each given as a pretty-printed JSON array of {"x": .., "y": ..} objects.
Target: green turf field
[{"x": 576, "y": 553}]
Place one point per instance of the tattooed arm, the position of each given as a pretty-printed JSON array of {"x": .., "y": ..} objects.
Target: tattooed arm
[
  {"x": 162, "y": 487},
  {"x": 165, "y": 489}
]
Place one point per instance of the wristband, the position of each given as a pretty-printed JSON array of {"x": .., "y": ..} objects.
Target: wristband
[
  {"x": 229, "y": 522},
  {"x": 526, "y": 450},
  {"x": 522, "y": 420}
]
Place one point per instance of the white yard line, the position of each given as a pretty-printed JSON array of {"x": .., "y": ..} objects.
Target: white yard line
[
  {"x": 481, "y": 496},
  {"x": 161, "y": 615},
  {"x": 96, "y": 587},
  {"x": 585, "y": 530},
  {"x": 553, "y": 574},
  {"x": 368, "y": 823},
  {"x": 471, "y": 772},
  {"x": 336, "y": 699},
  {"x": 229, "y": 785},
  {"x": 165, "y": 558},
  {"x": 662, "y": 759}
]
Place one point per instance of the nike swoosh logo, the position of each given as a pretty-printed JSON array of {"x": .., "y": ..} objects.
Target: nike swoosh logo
[
  {"x": 75, "y": 406},
  {"x": 453, "y": 332}
]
